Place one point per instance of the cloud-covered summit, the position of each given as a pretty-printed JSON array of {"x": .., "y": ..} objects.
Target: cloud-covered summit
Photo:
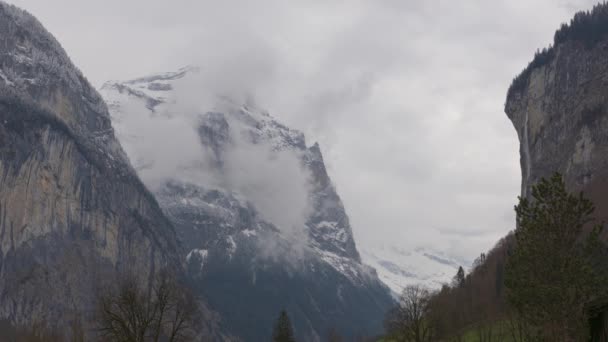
[{"x": 406, "y": 97}]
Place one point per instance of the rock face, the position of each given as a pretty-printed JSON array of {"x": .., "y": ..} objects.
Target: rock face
[
  {"x": 559, "y": 108},
  {"x": 73, "y": 212},
  {"x": 262, "y": 225}
]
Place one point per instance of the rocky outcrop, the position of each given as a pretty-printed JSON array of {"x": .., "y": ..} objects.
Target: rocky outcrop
[
  {"x": 73, "y": 213},
  {"x": 559, "y": 107},
  {"x": 261, "y": 222}
]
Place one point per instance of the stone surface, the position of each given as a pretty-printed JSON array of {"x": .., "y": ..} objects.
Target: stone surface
[
  {"x": 245, "y": 257},
  {"x": 73, "y": 212},
  {"x": 561, "y": 117}
]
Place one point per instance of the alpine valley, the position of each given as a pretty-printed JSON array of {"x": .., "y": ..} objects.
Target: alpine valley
[{"x": 162, "y": 172}]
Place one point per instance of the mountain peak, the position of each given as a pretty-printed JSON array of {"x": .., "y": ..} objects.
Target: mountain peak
[
  {"x": 250, "y": 201},
  {"x": 225, "y": 128}
]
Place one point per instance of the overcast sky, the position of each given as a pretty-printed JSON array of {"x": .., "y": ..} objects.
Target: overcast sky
[{"x": 405, "y": 97}]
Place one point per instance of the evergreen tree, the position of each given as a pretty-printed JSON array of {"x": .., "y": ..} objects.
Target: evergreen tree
[
  {"x": 551, "y": 277},
  {"x": 458, "y": 280},
  {"x": 283, "y": 331}
]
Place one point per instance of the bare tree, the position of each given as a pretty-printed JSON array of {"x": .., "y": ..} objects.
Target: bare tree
[
  {"x": 38, "y": 331},
  {"x": 130, "y": 314},
  {"x": 409, "y": 320},
  {"x": 334, "y": 336}
]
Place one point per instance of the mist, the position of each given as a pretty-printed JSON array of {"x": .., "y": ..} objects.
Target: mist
[{"x": 164, "y": 145}]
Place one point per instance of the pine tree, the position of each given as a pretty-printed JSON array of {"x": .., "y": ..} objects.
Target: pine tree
[
  {"x": 459, "y": 278},
  {"x": 551, "y": 275},
  {"x": 283, "y": 331}
]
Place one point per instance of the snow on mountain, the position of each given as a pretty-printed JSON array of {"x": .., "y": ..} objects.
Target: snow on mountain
[
  {"x": 398, "y": 267},
  {"x": 223, "y": 147},
  {"x": 246, "y": 194},
  {"x": 234, "y": 147}
]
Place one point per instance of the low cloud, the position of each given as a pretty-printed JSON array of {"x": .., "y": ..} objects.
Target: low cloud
[
  {"x": 274, "y": 181},
  {"x": 164, "y": 144}
]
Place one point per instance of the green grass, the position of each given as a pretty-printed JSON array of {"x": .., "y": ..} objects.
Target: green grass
[{"x": 500, "y": 332}]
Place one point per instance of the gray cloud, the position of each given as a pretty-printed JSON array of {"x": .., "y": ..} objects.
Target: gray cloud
[{"x": 405, "y": 97}]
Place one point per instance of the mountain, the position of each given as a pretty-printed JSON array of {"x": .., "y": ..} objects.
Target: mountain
[
  {"x": 74, "y": 216},
  {"x": 72, "y": 210},
  {"x": 262, "y": 225},
  {"x": 398, "y": 267},
  {"x": 559, "y": 108}
]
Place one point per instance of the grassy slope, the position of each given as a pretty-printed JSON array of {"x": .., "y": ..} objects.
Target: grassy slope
[{"x": 500, "y": 333}]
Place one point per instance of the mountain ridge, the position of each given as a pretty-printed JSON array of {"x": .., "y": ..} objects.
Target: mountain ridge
[{"x": 223, "y": 200}]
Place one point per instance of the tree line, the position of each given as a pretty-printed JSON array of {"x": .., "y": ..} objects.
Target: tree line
[
  {"x": 542, "y": 282},
  {"x": 586, "y": 27},
  {"x": 546, "y": 281}
]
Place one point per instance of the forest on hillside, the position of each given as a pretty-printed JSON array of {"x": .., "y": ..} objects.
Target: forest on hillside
[
  {"x": 546, "y": 281},
  {"x": 587, "y": 28}
]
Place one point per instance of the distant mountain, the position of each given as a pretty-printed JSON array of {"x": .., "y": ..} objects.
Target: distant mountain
[
  {"x": 261, "y": 222},
  {"x": 73, "y": 213},
  {"x": 398, "y": 267}
]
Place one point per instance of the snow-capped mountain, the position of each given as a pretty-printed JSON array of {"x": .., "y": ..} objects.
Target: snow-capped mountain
[
  {"x": 398, "y": 267},
  {"x": 262, "y": 225}
]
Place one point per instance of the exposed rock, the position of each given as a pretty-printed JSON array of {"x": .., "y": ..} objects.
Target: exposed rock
[
  {"x": 73, "y": 212},
  {"x": 248, "y": 262},
  {"x": 559, "y": 108}
]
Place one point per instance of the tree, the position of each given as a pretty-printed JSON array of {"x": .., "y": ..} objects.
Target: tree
[
  {"x": 459, "y": 278},
  {"x": 283, "y": 331},
  {"x": 409, "y": 320},
  {"x": 334, "y": 336},
  {"x": 36, "y": 332},
  {"x": 550, "y": 276},
  {"x": 130, "y": 314}
]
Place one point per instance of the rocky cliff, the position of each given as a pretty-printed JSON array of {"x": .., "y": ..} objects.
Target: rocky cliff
[
  {"x": 559, "y": 107},
  {"x": 73, "y": 213},
  {"x": 262, "y": 225}
]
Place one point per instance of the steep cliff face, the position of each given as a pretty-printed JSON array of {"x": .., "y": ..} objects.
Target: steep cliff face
[
  {"x": 262, "y": 225},
  {"x": 73, "y": 212},
  {"x": 559, "y": 107}
]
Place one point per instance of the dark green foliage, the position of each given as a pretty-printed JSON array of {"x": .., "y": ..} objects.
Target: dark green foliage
[
  {"x": 459, "y": 278},
  {"x": 588, "y": 27},
  {"x": 552, "y": 270},
  {"x": 283, "y": 331},
  {"x": 541, "y": 57},
  {"x": 550, "y": 276}
]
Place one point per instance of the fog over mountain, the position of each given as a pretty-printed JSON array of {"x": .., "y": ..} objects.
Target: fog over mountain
[
  {"x": 404, "y": 96},
  {"x": 167, "y": 146},
  {"x": 252, "y": 202}
]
